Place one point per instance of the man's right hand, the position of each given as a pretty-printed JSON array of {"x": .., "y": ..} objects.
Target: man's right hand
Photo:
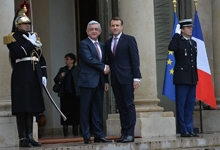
[
  {"x": 178, "y": 30},
  {"x": 32, "y": 37},
  {"x": 107, "y": 69}
]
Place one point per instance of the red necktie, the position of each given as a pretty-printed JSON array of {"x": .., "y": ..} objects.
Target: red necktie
[
  {"x": 96, "y": 46},
  {"x": 115, "y": 45}
]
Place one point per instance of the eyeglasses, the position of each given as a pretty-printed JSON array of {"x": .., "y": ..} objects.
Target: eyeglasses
[{"x": 66, "y": 59}]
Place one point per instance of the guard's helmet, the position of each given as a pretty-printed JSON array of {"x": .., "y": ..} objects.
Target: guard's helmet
[{"x": 22, "y": 15}]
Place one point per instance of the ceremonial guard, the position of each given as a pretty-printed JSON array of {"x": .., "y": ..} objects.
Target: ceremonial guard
[
  {"x": 185, "y": 76},
  {"x": 28, "y": 75}
]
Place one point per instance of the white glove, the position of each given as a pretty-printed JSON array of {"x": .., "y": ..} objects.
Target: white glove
[
  {"x": 32, "y": 41},
  {"x": 36, "y": 43},
  {"x": 44, "y": 81},
  {"x": 32, "y": 37},
  {"x": 178, "y": 30}
]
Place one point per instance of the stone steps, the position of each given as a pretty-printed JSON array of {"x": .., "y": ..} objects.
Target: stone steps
[{"x": 204, "y": 142}]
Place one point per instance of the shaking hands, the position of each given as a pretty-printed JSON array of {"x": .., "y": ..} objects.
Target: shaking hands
[{"x": 107, "y": 69}]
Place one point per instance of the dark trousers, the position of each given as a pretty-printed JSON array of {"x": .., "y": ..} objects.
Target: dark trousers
[
  {"x": 124, "y": 95},
  {"x": 185, "y": 102},
  {"x": 92, "y": 98},
  {"x": 74, "y": 129}
]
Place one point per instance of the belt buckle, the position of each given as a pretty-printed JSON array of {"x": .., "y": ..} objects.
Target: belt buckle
[{"x": 34, "y": 58}]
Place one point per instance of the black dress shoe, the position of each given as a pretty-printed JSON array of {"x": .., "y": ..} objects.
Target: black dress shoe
[
  {"x": 102, "y": 139},
  {"x": 185, "y": 135},
  {"x": 34, "y": 143},
  {"x": 194, "y": 134},
  {"x": 128, "y": 139},
  {"x": 24, "y": 143},
  {"x": 87, "y": 141},
  {"x": 121, "y": 138}
]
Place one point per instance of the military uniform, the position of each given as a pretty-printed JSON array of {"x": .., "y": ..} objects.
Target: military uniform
[
  {"x": 26, "y": 79},
  {"x": 29, "y": 70},
  {"x": 185, "y": 79},
  {"x": 185, "y": 52}
]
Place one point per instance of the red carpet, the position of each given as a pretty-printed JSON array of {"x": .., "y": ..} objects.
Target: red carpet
[{"x": 70, "y": 139}]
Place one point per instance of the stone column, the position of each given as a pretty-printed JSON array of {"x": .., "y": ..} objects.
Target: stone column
[
  {"x": 205, "y": 12},
  {"x": 216, "y": 51},
  {"x": 138, "y": 17},
  {"x": 208, "y": 12},
  {"x": 8, "y": 130}
]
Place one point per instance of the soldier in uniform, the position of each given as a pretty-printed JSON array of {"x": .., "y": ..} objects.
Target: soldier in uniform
[
  {"x": 28, "y": 75},
  {"x": 185, "y": 76}
]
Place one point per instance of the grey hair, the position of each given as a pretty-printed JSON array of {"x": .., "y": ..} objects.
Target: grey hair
[{"x": 93, "y": 22}]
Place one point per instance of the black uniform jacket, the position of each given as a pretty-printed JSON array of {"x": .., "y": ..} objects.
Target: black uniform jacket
[
  {"x": 185, "y": 71},
  {"x": 75, "y": 75},
  {"x": 26, "y": 79}
]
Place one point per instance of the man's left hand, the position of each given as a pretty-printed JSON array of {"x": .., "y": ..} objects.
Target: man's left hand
[
  {"x": 106, "y": 86},
  {"x": 136, "y": 84}
]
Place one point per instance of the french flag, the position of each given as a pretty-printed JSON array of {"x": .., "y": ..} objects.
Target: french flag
[{"x": 204, "y": 89}]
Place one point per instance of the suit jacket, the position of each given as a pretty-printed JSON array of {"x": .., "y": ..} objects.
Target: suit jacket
[
  {"x": 185, "y": 70},
  {"x": 125, "y": 64},
  {"x": 91, "y": 66},
  {"x": 75, "y": 75}
]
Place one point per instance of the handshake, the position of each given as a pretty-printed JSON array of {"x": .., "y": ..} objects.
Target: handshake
[
  {"x": 107, "y": 69},
  {"x": 33, "y": 39}
]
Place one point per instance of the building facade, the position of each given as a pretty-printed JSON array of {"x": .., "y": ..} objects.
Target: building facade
[{"x": 61, "y": 25}]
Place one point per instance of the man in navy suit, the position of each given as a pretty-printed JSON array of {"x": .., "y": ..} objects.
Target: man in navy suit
[
  {"x": 93, "y": 81},
  {"x": 124, "y": 62}
]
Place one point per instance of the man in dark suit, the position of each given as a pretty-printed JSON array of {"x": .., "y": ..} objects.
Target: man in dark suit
[
  {"x": 124, "y": 62},
  {"x": 93, "y": 81},
  {"x": 185, "y": 76}
]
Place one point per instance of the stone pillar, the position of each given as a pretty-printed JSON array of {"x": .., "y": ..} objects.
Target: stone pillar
[
  {"x": 216, "y": 51},
  {"x": 138, "y": 17},
  {"x": 208, "y": 12},
  {"x": 8, "y": 130}
]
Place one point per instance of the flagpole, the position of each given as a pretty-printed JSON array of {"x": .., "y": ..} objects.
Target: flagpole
[
  {"x": 196, "y": 4},
  {"x": 174, "y": 5},
  {"x": 32, "y": 19},
  {"x": 177, "y": 122},
  {"x": 200, "y": 102}
]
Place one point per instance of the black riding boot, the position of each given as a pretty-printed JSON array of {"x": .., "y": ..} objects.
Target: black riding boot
[
  {"x": 65, "y": 130},
  {"x": 23, "y": 141},
  {"x": 29, "y": 122}
]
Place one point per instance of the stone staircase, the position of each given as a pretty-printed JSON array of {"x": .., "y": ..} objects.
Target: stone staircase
[{"x": 204, "y": 142}]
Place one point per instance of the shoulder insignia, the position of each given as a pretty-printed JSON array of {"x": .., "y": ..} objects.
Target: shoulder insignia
[{"x": 9, "y": 38}]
